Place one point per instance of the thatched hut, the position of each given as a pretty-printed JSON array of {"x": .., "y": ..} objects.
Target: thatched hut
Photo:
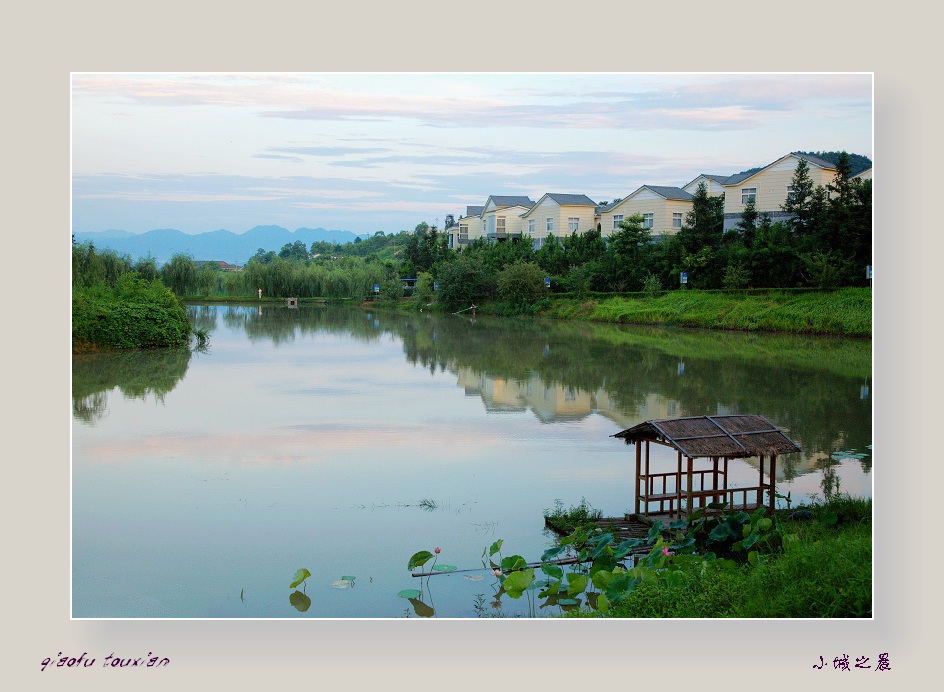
[{"x": 717, "y": 439}]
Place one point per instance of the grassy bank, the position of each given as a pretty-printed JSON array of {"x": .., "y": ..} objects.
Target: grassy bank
[
  {"x": 826, "y": 573},
  {"x": 845, "y": 312},
  {"x": 135, "y": 313}
]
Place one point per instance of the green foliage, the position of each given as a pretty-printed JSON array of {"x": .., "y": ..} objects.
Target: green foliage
[
  {"x": 463, "y": 281},
  {"x": 736, "y": 276},
  {"x": 300, "y": 576},
  {"x": 568, "y": 520},
  {"x": 520, "y": 284},
  {"x": 135, "y": 313}
]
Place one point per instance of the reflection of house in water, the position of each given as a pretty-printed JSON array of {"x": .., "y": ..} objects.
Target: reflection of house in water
[{"x": 557, "y": 402}]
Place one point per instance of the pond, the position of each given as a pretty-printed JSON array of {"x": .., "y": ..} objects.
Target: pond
[{"x": 343, "y": 441}]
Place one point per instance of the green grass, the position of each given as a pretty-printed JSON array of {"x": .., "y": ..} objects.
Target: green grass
[
  {"x": 847, "y": 311},
  {"x": 827, "y": 575},
  {"x": 570, "y": 519}
]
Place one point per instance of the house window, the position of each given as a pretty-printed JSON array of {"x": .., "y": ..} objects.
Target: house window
[
  {"x": 536, "y": 243},
  {"x": 550, "y": 224},
  {"x": 573, "y": 224},
  {"x": 647, "y": 220},
  {"x": 483, "y": 225},
  {"x": 617, "y": 220},
  {"x": 748, "y": 195},
  {"x": 501, "y": 224},
  {"x": 676, "y": 219},
  {"x": 531, "y": 226}
]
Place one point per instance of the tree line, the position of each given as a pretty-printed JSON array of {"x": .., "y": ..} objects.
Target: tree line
[{"x": 825, "y": 242}]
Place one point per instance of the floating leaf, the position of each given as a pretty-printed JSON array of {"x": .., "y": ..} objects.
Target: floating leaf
[
  {"x": 341, "y": 583},
  {"x": 409, "y": 593},
  {"x": 300, "y": 576},
  {"x": 496, "y": 546},
  {"x": 420, "y": 559},
  {"x": 299, "y": 601},
  {"x": 348, "y": 578},
  {"x": 445, "y": 568}
]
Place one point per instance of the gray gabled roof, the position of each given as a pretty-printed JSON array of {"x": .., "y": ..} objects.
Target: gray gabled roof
[
  {"x": 734, "y": 179},
  {"x": 822, "y": 163},
  {"x": 572, "y": 200},
  {"x": 474, "y": 211},
  {"x": 720, "y": 179},
  {"x": 670, "y": 192},
  {"x": 511, "y": 201}
]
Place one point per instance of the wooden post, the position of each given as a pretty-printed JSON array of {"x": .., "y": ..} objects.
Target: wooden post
[
  {"x": 760, "y": 484},
  {"x": 725, "y": 496},
  {"x": 773, "y": 481},
  {"x": 688, "y": 504},
  {"x": 638, "y": 473},
  {"x": 678, "y": 486}
]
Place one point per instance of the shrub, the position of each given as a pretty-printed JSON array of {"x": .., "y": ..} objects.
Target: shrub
[{"x": 521, "y": 284}]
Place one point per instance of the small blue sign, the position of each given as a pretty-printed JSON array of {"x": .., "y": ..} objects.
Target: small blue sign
[
  {"x": 547, "y": 282},
  {"x": 435, "y": 285},
  {"x": 684, "y": 277},
  {"x": 868, "y": 272},
  {"x": 376, "y": 288}
]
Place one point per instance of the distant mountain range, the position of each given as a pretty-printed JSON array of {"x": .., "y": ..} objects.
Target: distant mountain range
[{"x": 222, "y": 245}]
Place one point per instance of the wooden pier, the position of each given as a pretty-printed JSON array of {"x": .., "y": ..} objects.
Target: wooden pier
[{"x": 622, "y": 528}]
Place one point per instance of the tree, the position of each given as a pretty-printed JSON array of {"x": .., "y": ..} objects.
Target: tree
[
  {"x": 463, "y": 281},
  {"x": 801, "y": 200},
  {"x": 704, "y": 224},
  {"x": 296, "y": 250},
  {"x": 521, "y": 284}
]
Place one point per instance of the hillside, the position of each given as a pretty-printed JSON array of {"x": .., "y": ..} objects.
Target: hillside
[{"x": 222, "y": 245}]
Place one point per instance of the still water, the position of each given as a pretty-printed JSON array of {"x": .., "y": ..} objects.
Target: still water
[{"x": 343, "y": 441}]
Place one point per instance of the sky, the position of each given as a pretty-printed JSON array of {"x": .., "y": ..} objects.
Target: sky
[{"x": 368, "y": 152}]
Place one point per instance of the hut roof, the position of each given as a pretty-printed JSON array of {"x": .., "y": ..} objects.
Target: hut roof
[{"x": 735, "y": 437}]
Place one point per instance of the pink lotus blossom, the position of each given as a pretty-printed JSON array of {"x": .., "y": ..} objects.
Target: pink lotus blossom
[
  {"x": 436, "y": 551},
  {"x": 497, "y": 572},
  {"x": 666, "y": 551}
]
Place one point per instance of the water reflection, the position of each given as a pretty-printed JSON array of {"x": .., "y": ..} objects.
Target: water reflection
[
  {"x": 347, "y": 418},
  {"x": 810, "y": 386},
  {"x": 815, "y": 388},
  {"x": 136, "y": 374}
]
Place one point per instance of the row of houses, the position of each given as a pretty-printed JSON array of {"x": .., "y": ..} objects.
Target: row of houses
[{"x": 663, "y": 208}]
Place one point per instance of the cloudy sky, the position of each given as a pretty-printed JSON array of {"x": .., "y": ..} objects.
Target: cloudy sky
[{"x": 382, "y": 152}]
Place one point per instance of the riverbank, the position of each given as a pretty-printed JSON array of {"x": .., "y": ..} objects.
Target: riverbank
[
  {"x": 825, "y": 573},
  {"x": 843, "y": 312}
]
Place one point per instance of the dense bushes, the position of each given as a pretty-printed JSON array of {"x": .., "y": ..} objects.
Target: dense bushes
[
  {"x": 119, "y": 304},
  {"x": 136, "y": 313}
]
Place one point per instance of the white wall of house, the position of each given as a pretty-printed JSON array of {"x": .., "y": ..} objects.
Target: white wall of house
[
  {"x": 770, "y": 186},
  {"x": 510, "y": 216},
  {"x": 665, "y": 213},
  {"x": 560, "y": 217}
]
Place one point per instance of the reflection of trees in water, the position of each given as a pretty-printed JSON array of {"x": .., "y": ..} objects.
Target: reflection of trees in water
[
  {"x": 281, "y": 324},
  {"x": 808, "y": 385},
  {"x": 202, "y": 317},
  {"x": 137, "y": 374}
]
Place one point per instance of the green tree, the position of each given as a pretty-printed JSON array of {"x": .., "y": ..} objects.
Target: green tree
[
  {"x": 704, "y": 224},
  {"x": 463, "y": 281},
  {"x": 180, "y": 274},
  {"x": 521, "y": 284}
]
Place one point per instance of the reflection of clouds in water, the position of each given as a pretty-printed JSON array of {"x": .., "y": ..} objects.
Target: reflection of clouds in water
[{"x": 306, "y": 443}]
